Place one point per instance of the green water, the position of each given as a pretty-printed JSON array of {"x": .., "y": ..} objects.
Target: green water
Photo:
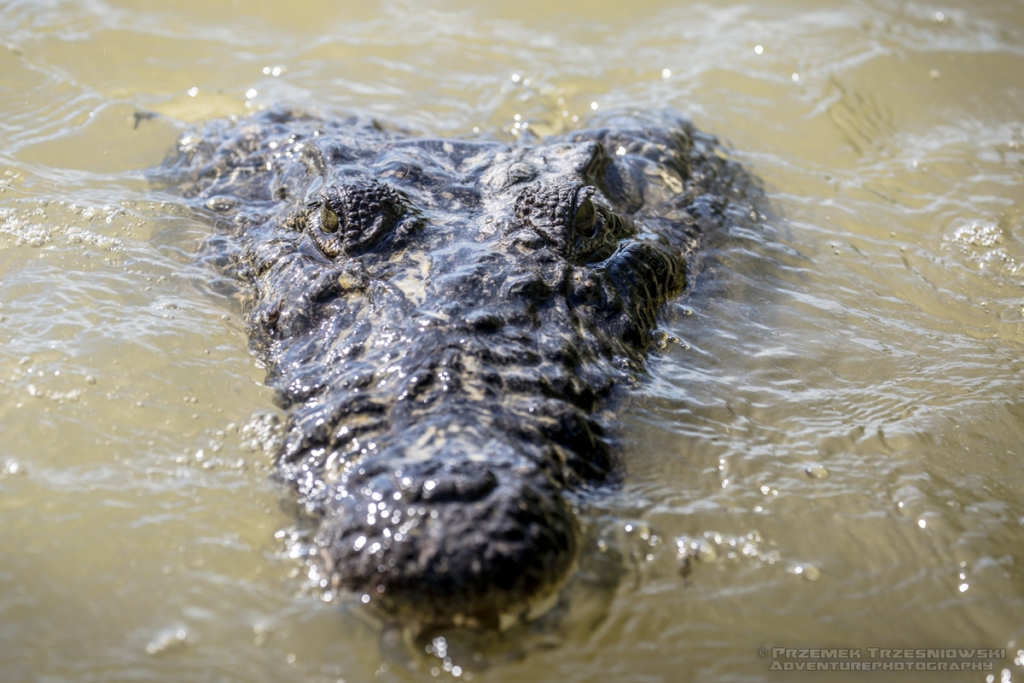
[{"x": 836, "y": 440}]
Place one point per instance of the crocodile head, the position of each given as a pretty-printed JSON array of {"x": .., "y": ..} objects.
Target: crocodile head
[{"x": 446, "y": 323}]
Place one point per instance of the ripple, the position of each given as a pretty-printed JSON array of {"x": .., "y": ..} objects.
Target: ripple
[{"x": 851, "y": 367}]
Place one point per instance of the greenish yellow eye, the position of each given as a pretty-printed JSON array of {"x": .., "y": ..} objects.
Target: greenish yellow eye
[
  {"x": 586, "y": 216},
  {"x": 328, "y": 219}
]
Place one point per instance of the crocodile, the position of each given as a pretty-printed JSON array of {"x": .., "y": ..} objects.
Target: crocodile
[{"x": 449, "y": 325}]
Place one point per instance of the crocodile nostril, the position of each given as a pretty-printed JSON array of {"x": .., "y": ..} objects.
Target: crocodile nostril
[{"x": 465, "y": 486}]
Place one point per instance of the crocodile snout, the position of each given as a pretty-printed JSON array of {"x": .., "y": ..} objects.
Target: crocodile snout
[{"x": 444, "y": 538}]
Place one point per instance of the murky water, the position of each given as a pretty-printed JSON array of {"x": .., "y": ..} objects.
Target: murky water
[{"x": 830, "y": 456}]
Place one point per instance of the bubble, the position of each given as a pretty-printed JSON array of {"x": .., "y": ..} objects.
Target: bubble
[
  {"x": 263, "y": 432},
  {"x": 816, "y": 471},
  {"x": 169, "y": 641},
  {"x": 695, "y": 549},
  {"x": 220, "y": 204},
  {"x": 805, "y": 571},
  {"x": 263, "y": 629}
]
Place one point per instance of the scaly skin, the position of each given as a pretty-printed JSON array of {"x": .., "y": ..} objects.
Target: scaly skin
[{"x": 446, "y": 323}]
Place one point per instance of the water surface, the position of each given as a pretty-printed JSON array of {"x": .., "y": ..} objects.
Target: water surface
[{"x": 834, "y": 441}]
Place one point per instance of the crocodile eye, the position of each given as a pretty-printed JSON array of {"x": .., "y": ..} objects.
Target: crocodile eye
[
  {"x": 586, "y": 213},
  {"x": 328, "y": 219},
  {"x": 566, "y": 216},
  {"x": 353, "y": 217}
]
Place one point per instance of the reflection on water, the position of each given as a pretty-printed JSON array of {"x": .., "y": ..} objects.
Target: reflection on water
[{"x": 828, "y": 456}]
